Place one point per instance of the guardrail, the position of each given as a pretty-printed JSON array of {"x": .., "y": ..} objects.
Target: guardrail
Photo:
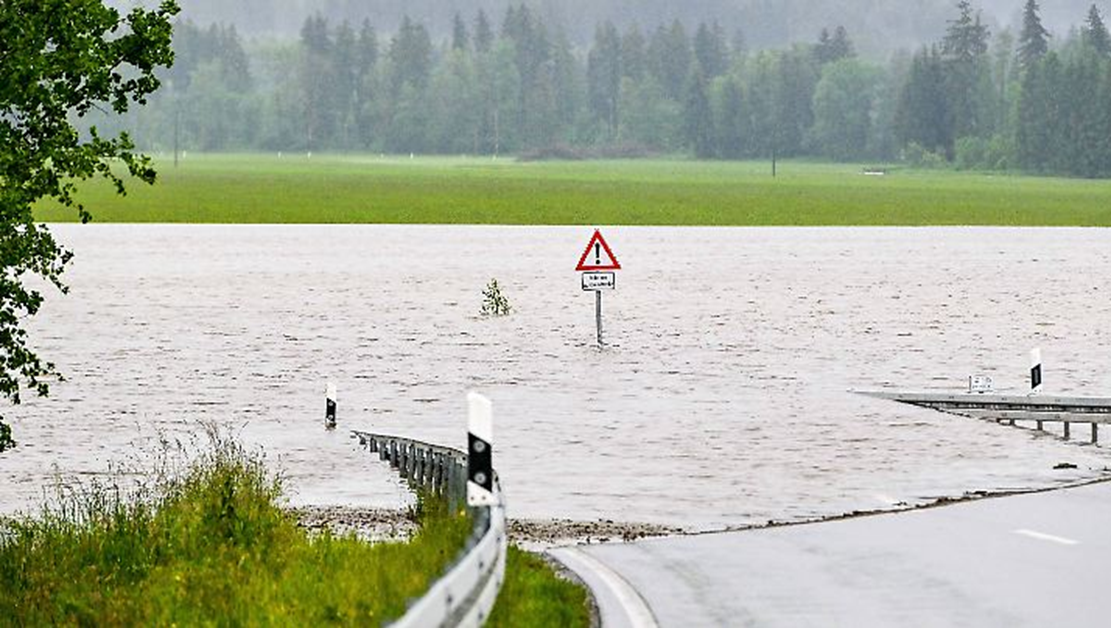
[
  {"x": 1039, "y": 409},
  {"x": 465, "y": 594}
]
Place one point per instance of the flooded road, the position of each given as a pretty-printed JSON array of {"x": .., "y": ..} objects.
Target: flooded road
[{"x": 721, "y": 400}]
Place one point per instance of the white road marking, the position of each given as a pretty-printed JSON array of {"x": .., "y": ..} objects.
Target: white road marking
[
  {"x": 635, "y": 609},
  {"x": 1042, "y": 536}
]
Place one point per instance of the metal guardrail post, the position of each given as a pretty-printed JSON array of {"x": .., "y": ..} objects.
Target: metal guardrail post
[{"x": 465, "y": 594}]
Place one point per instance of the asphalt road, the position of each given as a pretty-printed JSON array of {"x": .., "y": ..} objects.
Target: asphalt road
[{"x": 1027, "y": 560}]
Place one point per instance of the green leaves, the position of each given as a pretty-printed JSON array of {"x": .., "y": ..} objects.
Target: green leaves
[{"x": 61, "y": 59}]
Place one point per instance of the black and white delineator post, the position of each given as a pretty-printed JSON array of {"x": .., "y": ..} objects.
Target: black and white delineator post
[
  {"x": 330, "y": 406},
  {"x": 1035, "y": 371},
  {"x": 480, "y": 466}
]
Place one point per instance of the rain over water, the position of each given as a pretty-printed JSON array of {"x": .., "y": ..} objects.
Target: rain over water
[{"x": 723, "y": 396}]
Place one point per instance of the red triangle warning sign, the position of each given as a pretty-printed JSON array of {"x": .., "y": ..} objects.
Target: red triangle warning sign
[{"x": 598, "y": 255}]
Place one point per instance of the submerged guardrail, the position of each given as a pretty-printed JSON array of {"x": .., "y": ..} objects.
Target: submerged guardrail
[
  {"x": 465, "y": 594},
  {"x": 1039, "y": 409}
]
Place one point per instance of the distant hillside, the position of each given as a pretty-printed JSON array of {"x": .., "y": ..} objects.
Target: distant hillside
[{"x": 877, "y": 26}]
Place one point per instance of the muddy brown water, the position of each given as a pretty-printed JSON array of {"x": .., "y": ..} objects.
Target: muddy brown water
[{"x": 722, "y": 398}]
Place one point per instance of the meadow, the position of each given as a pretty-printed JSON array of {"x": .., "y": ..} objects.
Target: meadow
[
  {"x": 212, "y": 546},
  {"x": 266, "y": 188}
]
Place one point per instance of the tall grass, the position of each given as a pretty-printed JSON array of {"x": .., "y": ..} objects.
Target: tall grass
[
  {"x": 208, "y": 543},
  {"x": 211, "y": 546}
]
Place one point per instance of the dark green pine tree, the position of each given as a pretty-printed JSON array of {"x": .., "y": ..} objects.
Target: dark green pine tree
[
  {"x": 603, "y": 76},
  {"x": 967, "y": 68},
  {"x": 345, "y": 69},
  {"x": 669, "y": 59},
  {"x": 1081, "y": 111},
  {"x": 1033, "y": 41},
  {"x": 1036, "y": 115},
  {"x": 822, "y": 48},
  {"x": 634, "y": 59},
  {"x": 922, "y": 115},
  {"x": 483, "y": 33},
  {"x": 316, "y": 82},
  {"x": 410, "y": 55},
  {"x": 732, "y": 120},
  {"x": 966, "y": 38},
  {"x": 841, "y": 47},
  {"x": 1095, "y": 33},
  {"x": 698, "y": 118},
  {"x": 367, "y": 60},
  {"x": 1102, "y": 126},
  {"x": 710, "y": 50},
  {"x": 460, "y": 39},
  {"x": 830, "y": 49}
]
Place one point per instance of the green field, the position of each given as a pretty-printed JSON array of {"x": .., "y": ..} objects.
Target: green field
[{"x": 372, "y": 189}]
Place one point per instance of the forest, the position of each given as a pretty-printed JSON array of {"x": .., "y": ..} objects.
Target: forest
[{"x": 972, "y": 98}]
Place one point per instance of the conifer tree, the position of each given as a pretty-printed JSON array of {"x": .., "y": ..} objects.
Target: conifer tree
[
  {"x": 1033, "y": 40},
  {"x": 710, "y": 50},
  {"x": 669, "y": 58},
  {"x": 967, "y": 73},
  {"x": 1095, "y": 33},
  {"x": 459, "y": 36},
  {"x": 698, "y": 117},
  {"x": 603, "y": 73},
  {"x": 634, "y": 61},
  {"x": 922, "y": 116},
  {"x": 483, "y": 33}
]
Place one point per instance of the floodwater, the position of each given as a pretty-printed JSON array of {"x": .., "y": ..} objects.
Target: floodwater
[{"x": 722, "y": 397}]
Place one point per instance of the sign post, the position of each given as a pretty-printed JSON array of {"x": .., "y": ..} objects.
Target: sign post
[{"x": 596, "y": 264}]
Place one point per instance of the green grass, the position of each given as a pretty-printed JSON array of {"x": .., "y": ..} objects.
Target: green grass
[
  {"x": 533, "y": 596},
  {"x": 212, "y": 546},
  {"x": 371, "y": 189}
]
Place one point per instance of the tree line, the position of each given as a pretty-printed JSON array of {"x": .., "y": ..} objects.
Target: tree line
[{"x": 974, "y": 99}]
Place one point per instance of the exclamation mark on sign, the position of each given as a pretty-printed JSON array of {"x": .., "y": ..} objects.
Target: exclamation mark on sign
[{"x": 597, "y": 254}]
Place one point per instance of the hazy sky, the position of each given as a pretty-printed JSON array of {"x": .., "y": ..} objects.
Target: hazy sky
[{"x": 876, "y": 24}]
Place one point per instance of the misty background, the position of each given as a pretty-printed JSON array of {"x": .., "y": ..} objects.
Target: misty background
[
  {"x": 989, "y": 85},
  {"x": 878, "y": 26}
]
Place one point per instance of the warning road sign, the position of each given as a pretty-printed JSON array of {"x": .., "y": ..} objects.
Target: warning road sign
[{"x": 598, "y": 255}]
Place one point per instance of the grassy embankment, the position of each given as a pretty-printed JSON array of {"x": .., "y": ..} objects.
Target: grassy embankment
[
  {"x": 213, "y": 547},
  {"x": 370, "y": 189}
]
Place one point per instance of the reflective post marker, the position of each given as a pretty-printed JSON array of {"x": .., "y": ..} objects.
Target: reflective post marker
[
  {"x": 330, "y": 406},
  {"x": 1035, "y": 371},
  {"x": 480, "y": 436}
]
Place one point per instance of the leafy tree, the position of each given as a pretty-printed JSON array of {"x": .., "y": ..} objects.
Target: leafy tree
[
  {"x": 1033, "y": 40},
  {"x": 649, "y": 117},
  {"x": 843, "y": 110},
  {"x": 59, "y": 60},
  {"x": 1095, "y": 32}
]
